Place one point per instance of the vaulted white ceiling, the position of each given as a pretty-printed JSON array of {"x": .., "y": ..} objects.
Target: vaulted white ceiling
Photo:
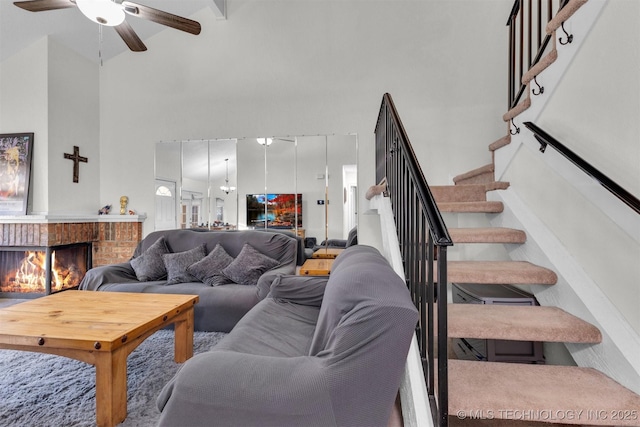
[{"x": 20, "y": 28}]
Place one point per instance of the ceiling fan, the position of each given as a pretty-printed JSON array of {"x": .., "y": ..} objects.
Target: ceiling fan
[{"x": 112, "y": 13}]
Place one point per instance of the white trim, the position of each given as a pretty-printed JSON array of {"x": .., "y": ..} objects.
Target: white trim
[
  {"x": 219, "y": 8},
  {"x": 413, "y": 390}
]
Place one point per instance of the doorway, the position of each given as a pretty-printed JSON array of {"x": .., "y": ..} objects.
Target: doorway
[{"x": 165, "y": 196}]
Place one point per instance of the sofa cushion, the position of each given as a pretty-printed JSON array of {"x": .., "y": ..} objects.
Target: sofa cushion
[
  {"x": 150, "y": 265},
  {"x": 248, "y": 266},
  {"x": 177, "y": 264},
  {"x": 275, "y": 329},
  {"x": 209, "y": 269},
  {"x": 303, "y": 290}
]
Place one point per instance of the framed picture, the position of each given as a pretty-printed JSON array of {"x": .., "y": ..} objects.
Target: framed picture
[{"x": 16, "y": 150}]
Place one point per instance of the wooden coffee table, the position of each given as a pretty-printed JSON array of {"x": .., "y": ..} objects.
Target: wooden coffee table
[{"x": 99, "y": 328}]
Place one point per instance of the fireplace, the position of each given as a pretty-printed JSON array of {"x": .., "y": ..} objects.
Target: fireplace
[
  {"x": 42, "y": 254},
  {"x": 29, "y": 272}
]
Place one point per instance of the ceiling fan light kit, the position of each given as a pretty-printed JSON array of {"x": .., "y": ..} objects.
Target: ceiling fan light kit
[
  {"x": 104, "y": 12},
  {"x": 112, "y": 13}
]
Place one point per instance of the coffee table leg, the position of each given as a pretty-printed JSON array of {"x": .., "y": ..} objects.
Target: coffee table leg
[
  {"x": 111, "y": 387},
  {"x": 183, "y": 328}
]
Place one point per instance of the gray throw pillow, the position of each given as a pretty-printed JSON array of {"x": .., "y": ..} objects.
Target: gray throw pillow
[
  {"x": 149, "y": 266},
  {"x": 248, "y": 266},
  {"x": 208, "y": 269},
  {"x": 178, "y": 263}
]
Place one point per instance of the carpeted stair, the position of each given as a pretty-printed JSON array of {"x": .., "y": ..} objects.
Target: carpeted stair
[
  {"x": 499, "y": 272},
  {"x": 512, "y": 394},
  {"x": 465, "y": 198},
  {"x": 487, "y": 235},
  {"x": 539, "y": 393},
  {"x": 526, "y": 323},
  {"x": 481, "y": 175}
]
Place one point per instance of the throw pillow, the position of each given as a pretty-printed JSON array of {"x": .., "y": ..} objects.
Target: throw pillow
[
  {"x": 178, "y": 263},
  {"x": 248, "y": 266},
  {"x": 208, "y": 269},
  {"x": 149, "y": 266}
]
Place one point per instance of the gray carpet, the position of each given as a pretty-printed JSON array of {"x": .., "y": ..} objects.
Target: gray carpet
[{"x": 42, "y": 390}]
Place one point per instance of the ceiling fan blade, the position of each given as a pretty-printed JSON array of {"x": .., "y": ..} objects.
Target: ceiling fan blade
[
  {"x": 130, "y": 37},
  {"x": 43, "y": 5},
  {"x": 161, "y": 17}
]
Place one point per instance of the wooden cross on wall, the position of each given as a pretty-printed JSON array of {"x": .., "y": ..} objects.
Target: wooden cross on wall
[{"x": 77, "y": 158}]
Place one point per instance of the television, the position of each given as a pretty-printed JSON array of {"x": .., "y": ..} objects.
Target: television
[{"x": 274, "y": 210}]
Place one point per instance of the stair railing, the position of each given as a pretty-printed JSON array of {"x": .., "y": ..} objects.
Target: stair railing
[
  {"x": 423, "y": 238},
  {"x": 614, "y": 188},
  {"x": 528, "y": 40}
]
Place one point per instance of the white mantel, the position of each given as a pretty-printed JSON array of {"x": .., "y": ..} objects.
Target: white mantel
[{"x": 68, "y": 218}]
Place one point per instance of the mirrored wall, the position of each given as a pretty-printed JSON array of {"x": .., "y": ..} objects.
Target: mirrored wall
[{"x": 307, "y": 184}]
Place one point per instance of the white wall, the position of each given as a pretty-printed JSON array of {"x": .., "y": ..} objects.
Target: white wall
[
  {"x": 304, "y": 68},
  {"x": 272, "y": 68},
  {"x": 73, "y": 112},
  {"x": 594, "y": 111},
  {"x": 51, "y": 91},
  {"x": 24, "y": 108}
]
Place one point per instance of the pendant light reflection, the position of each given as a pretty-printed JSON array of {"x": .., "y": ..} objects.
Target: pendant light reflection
[{"x": 226, "y": 188}]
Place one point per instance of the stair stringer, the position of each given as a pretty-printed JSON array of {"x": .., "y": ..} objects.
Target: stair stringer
[
  {"x": 576, "y": 293},
  {"x": 580, "y": 24}
]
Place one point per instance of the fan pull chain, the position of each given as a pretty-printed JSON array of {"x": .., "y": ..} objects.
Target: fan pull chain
[{"x": 100, "y": 44}]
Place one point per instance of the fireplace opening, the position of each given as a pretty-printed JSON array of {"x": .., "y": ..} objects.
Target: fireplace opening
[{"x": 29, "y": 272}]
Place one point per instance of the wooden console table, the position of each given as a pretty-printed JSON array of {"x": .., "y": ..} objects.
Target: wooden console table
[
  {"x": 327, "y": 253},
  {"x": 102, "y": 329}
]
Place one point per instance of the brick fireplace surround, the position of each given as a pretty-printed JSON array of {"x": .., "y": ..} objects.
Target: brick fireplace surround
[{"x": 113, "y": 237}]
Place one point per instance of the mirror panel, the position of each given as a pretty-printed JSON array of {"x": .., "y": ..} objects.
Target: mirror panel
[
  {"x": 284, "y": 206},
  {"x": 223, "y": 185},
  {"x": 312, "y": 184},
  {"x": 251, "y": 180},
  {"x": 194, "y": 212},
  {"x": 342, "y": 185},
  {"x": 212, "y": 179}
]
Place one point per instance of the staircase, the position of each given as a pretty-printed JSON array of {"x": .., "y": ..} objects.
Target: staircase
[
  {"x": 481, "y": 393},
  {"x": 519, "y": 394},
  {"x": 497, "y": 394}
]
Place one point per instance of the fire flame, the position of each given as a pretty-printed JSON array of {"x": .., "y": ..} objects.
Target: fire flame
[{"x": 31, "y": 274}]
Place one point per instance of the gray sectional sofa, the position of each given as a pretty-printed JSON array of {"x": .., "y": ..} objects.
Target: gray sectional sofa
[
  {"x": 317, "y": 351},
  {"x": 191, "y": 262}
]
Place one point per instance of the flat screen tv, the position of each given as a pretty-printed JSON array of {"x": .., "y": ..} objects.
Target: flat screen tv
[{"x": 279, "y": 210}]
